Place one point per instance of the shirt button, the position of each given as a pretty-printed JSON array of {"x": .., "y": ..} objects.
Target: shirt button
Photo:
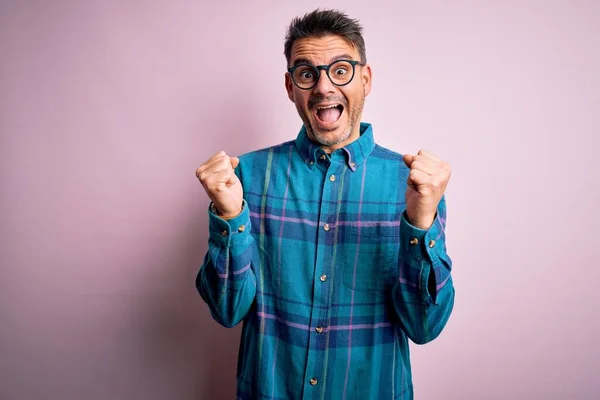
[
  {"x": 319, "y": 329},
  {"x": 332, "y": 178},
  {"x": 326, "y": 227},
  {"x": 322, "y": 157},
  {"x": 311, "y": 162},
  {"x": 323, "y": 278},
  {"x": 353, "y": 164},
  {"x": 224, "y": 233},
  {"x": 313, "y": 381},
  {"x": 414, "y": 241},
  {"x": 432, "y": 243},
  {"x": 241, "y": 228}
]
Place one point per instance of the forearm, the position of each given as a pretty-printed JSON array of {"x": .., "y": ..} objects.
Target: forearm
[
  {"x": 423, "y": 294},
  {"x": 226, "y": 280}
]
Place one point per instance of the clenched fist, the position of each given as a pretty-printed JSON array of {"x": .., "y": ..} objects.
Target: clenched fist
[
  {"x": 427, "y": 182},
  {"x": 221, "y": 184}
]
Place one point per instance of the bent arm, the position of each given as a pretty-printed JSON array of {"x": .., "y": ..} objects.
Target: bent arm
[
  {"x": 226, "y": 280},
  {"x": 423, "y": 295}
]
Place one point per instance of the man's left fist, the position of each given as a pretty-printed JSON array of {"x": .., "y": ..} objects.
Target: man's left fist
[{"x": 427, "y": 181}]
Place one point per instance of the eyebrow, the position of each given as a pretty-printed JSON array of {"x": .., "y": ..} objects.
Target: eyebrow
[{"x": 303, "y": 60}]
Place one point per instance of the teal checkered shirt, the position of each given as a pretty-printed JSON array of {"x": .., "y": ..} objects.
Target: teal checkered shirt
[{"x": 326, "y": 273}]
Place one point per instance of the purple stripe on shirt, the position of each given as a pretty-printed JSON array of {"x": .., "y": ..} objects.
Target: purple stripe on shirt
[
  {"x": 305, "y": 327},
  {"x": 358, "y": 326},
  {"x": 324, "y": 201},
  {"x": 441, "y": 222},
  {"x": 283, "y": 321},
  {"x": 282, "y": 218},
  {"x": 406, "y": 282},
  {"x": 441, "y": 284},
  {"x": 240, "y": 271},
  {"x": 358, "y": 224},
  {"x": 368, "y": 224}
]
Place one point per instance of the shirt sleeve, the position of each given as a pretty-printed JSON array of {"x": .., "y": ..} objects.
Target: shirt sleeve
[
  {"x": 423, "y": 295},
  {"x": 226, "y": 280}
]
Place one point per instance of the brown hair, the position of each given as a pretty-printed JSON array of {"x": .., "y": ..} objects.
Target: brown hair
[{"x": 319, "y": 23}]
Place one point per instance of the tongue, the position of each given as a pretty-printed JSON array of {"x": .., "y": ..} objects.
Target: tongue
[{"x": 329, "y": 114}]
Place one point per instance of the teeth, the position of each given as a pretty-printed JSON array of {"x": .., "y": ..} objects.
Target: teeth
[{"x": 326, "y": 107}]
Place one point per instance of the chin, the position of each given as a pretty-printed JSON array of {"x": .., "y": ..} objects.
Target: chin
[{"x": 331, "y": 137}]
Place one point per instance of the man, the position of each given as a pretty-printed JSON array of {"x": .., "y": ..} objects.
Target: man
[{"x": 329, "y": 248}]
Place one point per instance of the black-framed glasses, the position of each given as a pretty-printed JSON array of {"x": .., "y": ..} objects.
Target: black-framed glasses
[{"x": 306, "y": 76}]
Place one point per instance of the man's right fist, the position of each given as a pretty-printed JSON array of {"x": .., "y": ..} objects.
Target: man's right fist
[{"x": 221, "y": 184}]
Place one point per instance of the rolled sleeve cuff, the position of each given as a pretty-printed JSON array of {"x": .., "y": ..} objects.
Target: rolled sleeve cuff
[
  {"x": 232, "y": 232},
  {"x": 422, "y": 244}
]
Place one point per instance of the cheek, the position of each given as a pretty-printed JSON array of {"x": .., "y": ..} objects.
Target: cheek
[
  {"x": 301, "y": 99},
  {"x": 356, "y": 95}
]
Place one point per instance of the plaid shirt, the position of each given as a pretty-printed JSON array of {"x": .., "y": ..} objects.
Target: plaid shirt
[{"x": 326, "y": 273}]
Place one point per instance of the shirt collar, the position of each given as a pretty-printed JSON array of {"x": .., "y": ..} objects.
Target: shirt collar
[{"x": 356, "y": 152}]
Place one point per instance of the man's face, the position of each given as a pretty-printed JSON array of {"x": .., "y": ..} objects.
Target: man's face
[{"x": 332, "y": 127}]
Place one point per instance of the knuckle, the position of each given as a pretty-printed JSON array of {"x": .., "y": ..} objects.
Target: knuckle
[
  {"x": 223, "y": 161},
  {"x": 216, "y": 157},
  {"x": 214, "y": 187},
  {"x": 205, "y": 177}
]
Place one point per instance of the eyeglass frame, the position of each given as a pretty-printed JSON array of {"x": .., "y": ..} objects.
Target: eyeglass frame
[{"x": 325, "y": 68}]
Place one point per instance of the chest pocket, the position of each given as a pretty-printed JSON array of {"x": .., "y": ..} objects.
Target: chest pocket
[{"x": 370, "y": 257}]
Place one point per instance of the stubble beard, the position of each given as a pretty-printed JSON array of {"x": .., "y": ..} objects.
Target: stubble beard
[{"x": 353, "y": 120}]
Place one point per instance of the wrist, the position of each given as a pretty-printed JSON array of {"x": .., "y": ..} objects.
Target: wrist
[
  {"x": 421, "y": 222},
  {"x": 226, "y": 216}
]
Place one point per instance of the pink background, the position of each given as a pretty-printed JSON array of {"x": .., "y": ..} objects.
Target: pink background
[{"x": 107, "y": 108}]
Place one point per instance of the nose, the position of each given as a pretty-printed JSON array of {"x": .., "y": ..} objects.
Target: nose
[{"x": 324, "y": 85}]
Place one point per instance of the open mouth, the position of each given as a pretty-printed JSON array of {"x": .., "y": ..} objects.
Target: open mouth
[{"x": 329, "y": 114}]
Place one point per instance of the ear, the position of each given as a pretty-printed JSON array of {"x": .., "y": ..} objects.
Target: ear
[
  {"x": 366, "y": 77},
  {"x": 289, "y": 86}
]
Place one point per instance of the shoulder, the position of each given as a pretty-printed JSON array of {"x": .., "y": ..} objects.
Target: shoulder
[
  {"x": 384, "y": 155},
  {"x": 383, "y": 152},
  {"x": 265, "y": 151},
  {"x": 259, "y": 159}
]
